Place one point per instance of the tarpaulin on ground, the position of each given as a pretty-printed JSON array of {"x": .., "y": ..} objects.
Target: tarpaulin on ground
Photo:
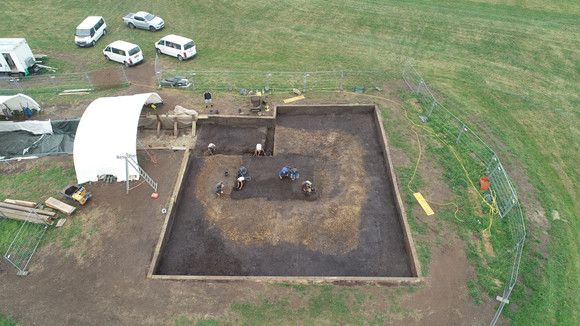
[
  {"x": 65, "y": 126},
  {"x": 21, "y": 143},
  {"x": 106, "y": 134}
]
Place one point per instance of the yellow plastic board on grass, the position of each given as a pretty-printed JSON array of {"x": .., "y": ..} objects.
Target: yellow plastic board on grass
[
  {"x": 423, "y": 203},
  {"x": 292, "y": 99}
]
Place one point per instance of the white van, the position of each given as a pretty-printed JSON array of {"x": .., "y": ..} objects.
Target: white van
[
  {"x": 176, "y": 46},
  {"x": 90, "y": 31},
  {"x": 126, "y": 53}
]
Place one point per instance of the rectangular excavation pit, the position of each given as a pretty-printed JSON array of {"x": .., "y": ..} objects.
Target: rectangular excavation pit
[{"x": 352, "y": 229}]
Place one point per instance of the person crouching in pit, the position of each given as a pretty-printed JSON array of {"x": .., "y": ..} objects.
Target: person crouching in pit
[{"x": 259, "y": 151}]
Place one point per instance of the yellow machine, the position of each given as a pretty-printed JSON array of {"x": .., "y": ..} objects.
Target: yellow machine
[{"x": 76, "y": 193}]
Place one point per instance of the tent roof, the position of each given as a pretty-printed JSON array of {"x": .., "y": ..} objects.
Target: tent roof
[
  {"x": 106, "y": 133},
  {"x": 17, "y": 102}
]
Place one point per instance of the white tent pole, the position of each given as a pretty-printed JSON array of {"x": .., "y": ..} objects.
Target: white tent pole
[{"x": 127, "y": 171}]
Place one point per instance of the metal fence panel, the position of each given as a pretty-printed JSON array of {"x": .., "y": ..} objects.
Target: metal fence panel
[
  {"x": 322, "y": 80},
  {"x": 284, "y": 81},
  {"x": 274, "y": 80},
  {"x": 37, "y": 84},
  {"x": 9, "y": 86},
  {"x": 104, "y": 78},
  {"x": 247, "y": 80},
  {"x": 72, "y": 81},
  {"x": 479, "y": 151},
  {"x": 504, "y": 192},
  {"x": 411, "y": 76},
  {"x": 517, "y": 227},
  {"x": 351, "y": 79},
  {"x": 25, "y": 242},
  {"x": 471, "y": 147},
  {"x": 445, "y": 124},
  {"x": 220, "y": 80}
]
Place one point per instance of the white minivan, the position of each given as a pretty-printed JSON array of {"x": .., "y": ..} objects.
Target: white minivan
[
  {"x": 90, "y": 31},
  {"x": 176, "y": 46},
  {"x": 126, "y": 53}
]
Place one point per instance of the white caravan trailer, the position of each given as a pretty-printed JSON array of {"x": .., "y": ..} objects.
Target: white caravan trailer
[{"x": 16, "y": 58}]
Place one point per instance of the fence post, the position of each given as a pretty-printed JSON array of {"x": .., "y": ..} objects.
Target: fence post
[
  {"x": 463, "y": 129},
  {"x": 304, "y": 86},
  {"x": 341, "y": 79},
  {"x": 512, "y": 201},
  {"x": 268, "y": 80},
  {"x": 124, "y": 74},
  {"x": 493, "y": 159},
  {"x": 421, "y": 82},
  {"x": 15, "y": 81},
  {"x": 89, "y": 80},
  {"x": 432, "y": 107},
  {"x": 230, "y": 80},
  {"x": 158, "y": 70},
  {"x": 51, "y": 77}
]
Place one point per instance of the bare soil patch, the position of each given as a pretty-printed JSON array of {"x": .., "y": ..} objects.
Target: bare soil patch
[{"x": 349, "y": 227}]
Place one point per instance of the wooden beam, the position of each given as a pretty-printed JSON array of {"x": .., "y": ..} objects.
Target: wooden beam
[
  {"x": 27, "y": 209},
  {"x": 60, "y": 222},
  {"x": 158, "y": 124},
  {"x": 175, "y": 130},
  {"x": 22, "y": 216},
  {"x": 21, "y": 202}
]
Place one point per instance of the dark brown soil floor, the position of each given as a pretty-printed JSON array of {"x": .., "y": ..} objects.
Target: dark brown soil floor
[{"x": 349, "y": 227}]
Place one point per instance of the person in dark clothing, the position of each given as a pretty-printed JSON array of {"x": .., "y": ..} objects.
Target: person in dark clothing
[{"x": 207, "y": 98}]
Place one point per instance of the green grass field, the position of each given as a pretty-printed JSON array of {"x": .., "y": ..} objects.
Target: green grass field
[{"x": 510, "y": 68}]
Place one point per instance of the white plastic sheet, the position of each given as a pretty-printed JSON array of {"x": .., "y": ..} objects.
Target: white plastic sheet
[
  {"x": 35, "y": 127},
  {"x": 106, "y": 133}
]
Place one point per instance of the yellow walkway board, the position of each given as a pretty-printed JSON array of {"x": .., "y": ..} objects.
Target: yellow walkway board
[
  {"x": 292, "y": 99},
  {"x": 423, "y": 203}
]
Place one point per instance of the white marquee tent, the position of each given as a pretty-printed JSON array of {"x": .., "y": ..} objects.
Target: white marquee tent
[
  {"x": 18, "y": 102},
  {"x": 106, "y": 133}
]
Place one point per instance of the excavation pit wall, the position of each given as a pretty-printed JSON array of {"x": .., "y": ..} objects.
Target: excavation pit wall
[{"x": 367, "y": 256}]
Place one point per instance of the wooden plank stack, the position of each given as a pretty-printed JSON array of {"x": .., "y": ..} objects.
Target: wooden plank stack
[
  {"x": 20, "y": 210},
  {"x": 58, "y": 205}
]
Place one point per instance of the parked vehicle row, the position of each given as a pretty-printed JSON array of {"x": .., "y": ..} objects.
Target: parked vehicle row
[{"x": 94, "y": 27}]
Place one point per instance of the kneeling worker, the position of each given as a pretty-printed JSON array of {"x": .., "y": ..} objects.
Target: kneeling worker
[
  {"x": 219, "y": 188},
  {"x": 307, "y": 186},
  {"x": 240, "y": 181},
  {"x": 294, "y": 175},
  {"x": 211, "y": 148},
  {"x": 284, "y": 173}
]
